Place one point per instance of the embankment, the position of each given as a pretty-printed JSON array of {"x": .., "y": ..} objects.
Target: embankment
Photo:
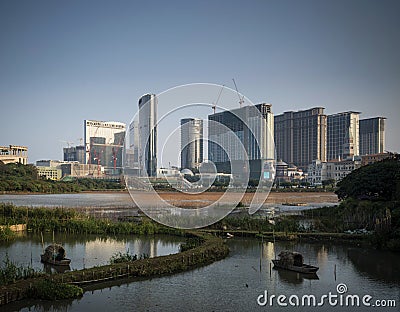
[{"x": 212, "y": 249}]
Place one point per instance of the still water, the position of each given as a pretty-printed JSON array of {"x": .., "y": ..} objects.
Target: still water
[
  {"x": 86, "y": 251},
  {"x": 233, "y": 284},
  {"x": 114, "y": 204},
  {"x": 82, "y": 200}
]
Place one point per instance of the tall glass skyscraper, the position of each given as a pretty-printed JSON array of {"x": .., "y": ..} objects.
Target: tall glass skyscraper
[
  {"x": 372, "y": 136},
  {"x": 191, "y": 143},
  {"x": 148, "y": 135},
  {"x": 253, "y": 125},
  {"x": 343, "y": 135}
]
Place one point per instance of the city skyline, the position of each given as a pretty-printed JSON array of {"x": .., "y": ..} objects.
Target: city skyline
[{"x": 64, "y": 63}]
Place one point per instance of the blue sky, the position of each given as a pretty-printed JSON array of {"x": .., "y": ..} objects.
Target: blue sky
[{"x": 65, "y": 61}]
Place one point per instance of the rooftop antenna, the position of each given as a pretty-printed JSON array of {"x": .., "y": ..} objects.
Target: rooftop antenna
[
  {"x": 241, "y": 98},
  {"x": 214, "y": 107}
]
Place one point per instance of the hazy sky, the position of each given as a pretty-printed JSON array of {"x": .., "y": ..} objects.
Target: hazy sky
[{"x": 65, "y": 61}]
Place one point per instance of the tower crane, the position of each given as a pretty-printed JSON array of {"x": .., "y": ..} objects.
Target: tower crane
[
  {"x": 68, "y": 143},
  {"x": 214, "y": 107},
  {"x": 241, "y": 98}
]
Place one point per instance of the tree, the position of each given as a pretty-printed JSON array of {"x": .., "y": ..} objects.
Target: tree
[{"x": 378, "y": 181}]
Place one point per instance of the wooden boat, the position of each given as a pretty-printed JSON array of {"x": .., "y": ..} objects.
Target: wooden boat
[
  {"x": 55, "y": 255},
  {"x": 293, "y": 261}
]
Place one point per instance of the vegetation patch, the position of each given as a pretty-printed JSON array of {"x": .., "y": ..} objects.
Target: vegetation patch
[
  {"x": 15, "y": 177},
  {"x": 120, "y": 257},
  {"x": 48, "y": 289},
  {"x": 11, "y": 272}
]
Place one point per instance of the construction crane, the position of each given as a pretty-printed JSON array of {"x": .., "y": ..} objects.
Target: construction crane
[
  {"x": 214, "y": 107},
  {"x": 97, "y": 157},
  {"x": 241, "y": 98},
  {"x": 114, "y": 159},
  {"x": 68, "y": 143}
]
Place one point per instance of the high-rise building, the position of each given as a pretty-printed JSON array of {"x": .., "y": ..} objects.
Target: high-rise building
[
  {"x": 148, "y": 135},
  {"x": 104, "y": 141},
  {"x": 343, "y": 135},
  {"x": 372, "y": 136},
  {"x": 133, "y": 144},
  {"x": 300, "y": 137},
  {"x": 191, "y": 143},
  {"x": 253, "y": 125}
]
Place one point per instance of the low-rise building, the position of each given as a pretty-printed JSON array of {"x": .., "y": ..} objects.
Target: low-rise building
[
  {"x": 319, "y": 171},
  {"x": 48, "y": 163},
  {"x": 14, "y": 154},
  {"x": 344, "y": 167},
  {"x": 370, "y": 159},
  {"x": 76, "y": 169},
  {"x": 51, "y": 173}
]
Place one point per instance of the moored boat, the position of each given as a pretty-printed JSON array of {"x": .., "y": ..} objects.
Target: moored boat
[
  {"x": 293, "y": 261},
  {"x": 55, "y": 254}
]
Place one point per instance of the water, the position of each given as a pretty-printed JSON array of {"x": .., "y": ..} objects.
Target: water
[
  {"x": 119, "y": 204},
  {"x": 86, "y": 250},
  {"x": 81, "y": 200},
  {"x": 233, "y": 284}
]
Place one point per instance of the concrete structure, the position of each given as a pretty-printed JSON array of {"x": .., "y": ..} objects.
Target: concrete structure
[
  {"x": 370, "y": 159},
  {"x": 319, "y": 171},
  {"x": 343, "y": 135},
  {"x": 75, "y": 153},
  {"x": 167, "y": 172},
  {"x": 48, "y": 163},
  {"x": 281, "y": 171},
  {"x": 133, "y": 150},
  {"x": 51, "y": 173},
  {"x": 300, "y": 137},
  {"x": 191, "y": 143},
  {"x": 14, "y": 154},
  {"x": 344, "y": 167},
  {"x": 254, "y": 127},
  {"x": 372, "y": 135},
  {"x": 147, "y": 135},
  {"x": 78, "y": 170},
  {"x": 104, "y": 142},
  {"x": 295, "y": 173}
]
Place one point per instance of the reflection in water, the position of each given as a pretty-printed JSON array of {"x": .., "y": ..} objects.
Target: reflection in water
[
  {"x": 86, "y": 251},
  {"x": 294, "y": 277},
  {"x": 380, "y": 265},
  {"x": 234, "y": 283},
  {"x": 50, "y": 268}
]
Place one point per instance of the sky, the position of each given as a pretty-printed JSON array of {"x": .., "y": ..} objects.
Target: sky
[{"x": 65, "y": 61}]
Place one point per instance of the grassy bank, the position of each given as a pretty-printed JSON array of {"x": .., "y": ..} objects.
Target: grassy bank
[
  {"x": 209, "y": 250},
  {"x": 67, "y": 220},
  {"x": 18, "y": 178}
]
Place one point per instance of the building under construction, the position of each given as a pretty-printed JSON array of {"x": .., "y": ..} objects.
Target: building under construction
[{"x": 104, "y": 143}]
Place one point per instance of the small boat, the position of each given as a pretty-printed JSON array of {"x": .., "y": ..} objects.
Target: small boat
[
  {"x": 55, "y": 254},
  {"x": 293, "y": 261}
]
